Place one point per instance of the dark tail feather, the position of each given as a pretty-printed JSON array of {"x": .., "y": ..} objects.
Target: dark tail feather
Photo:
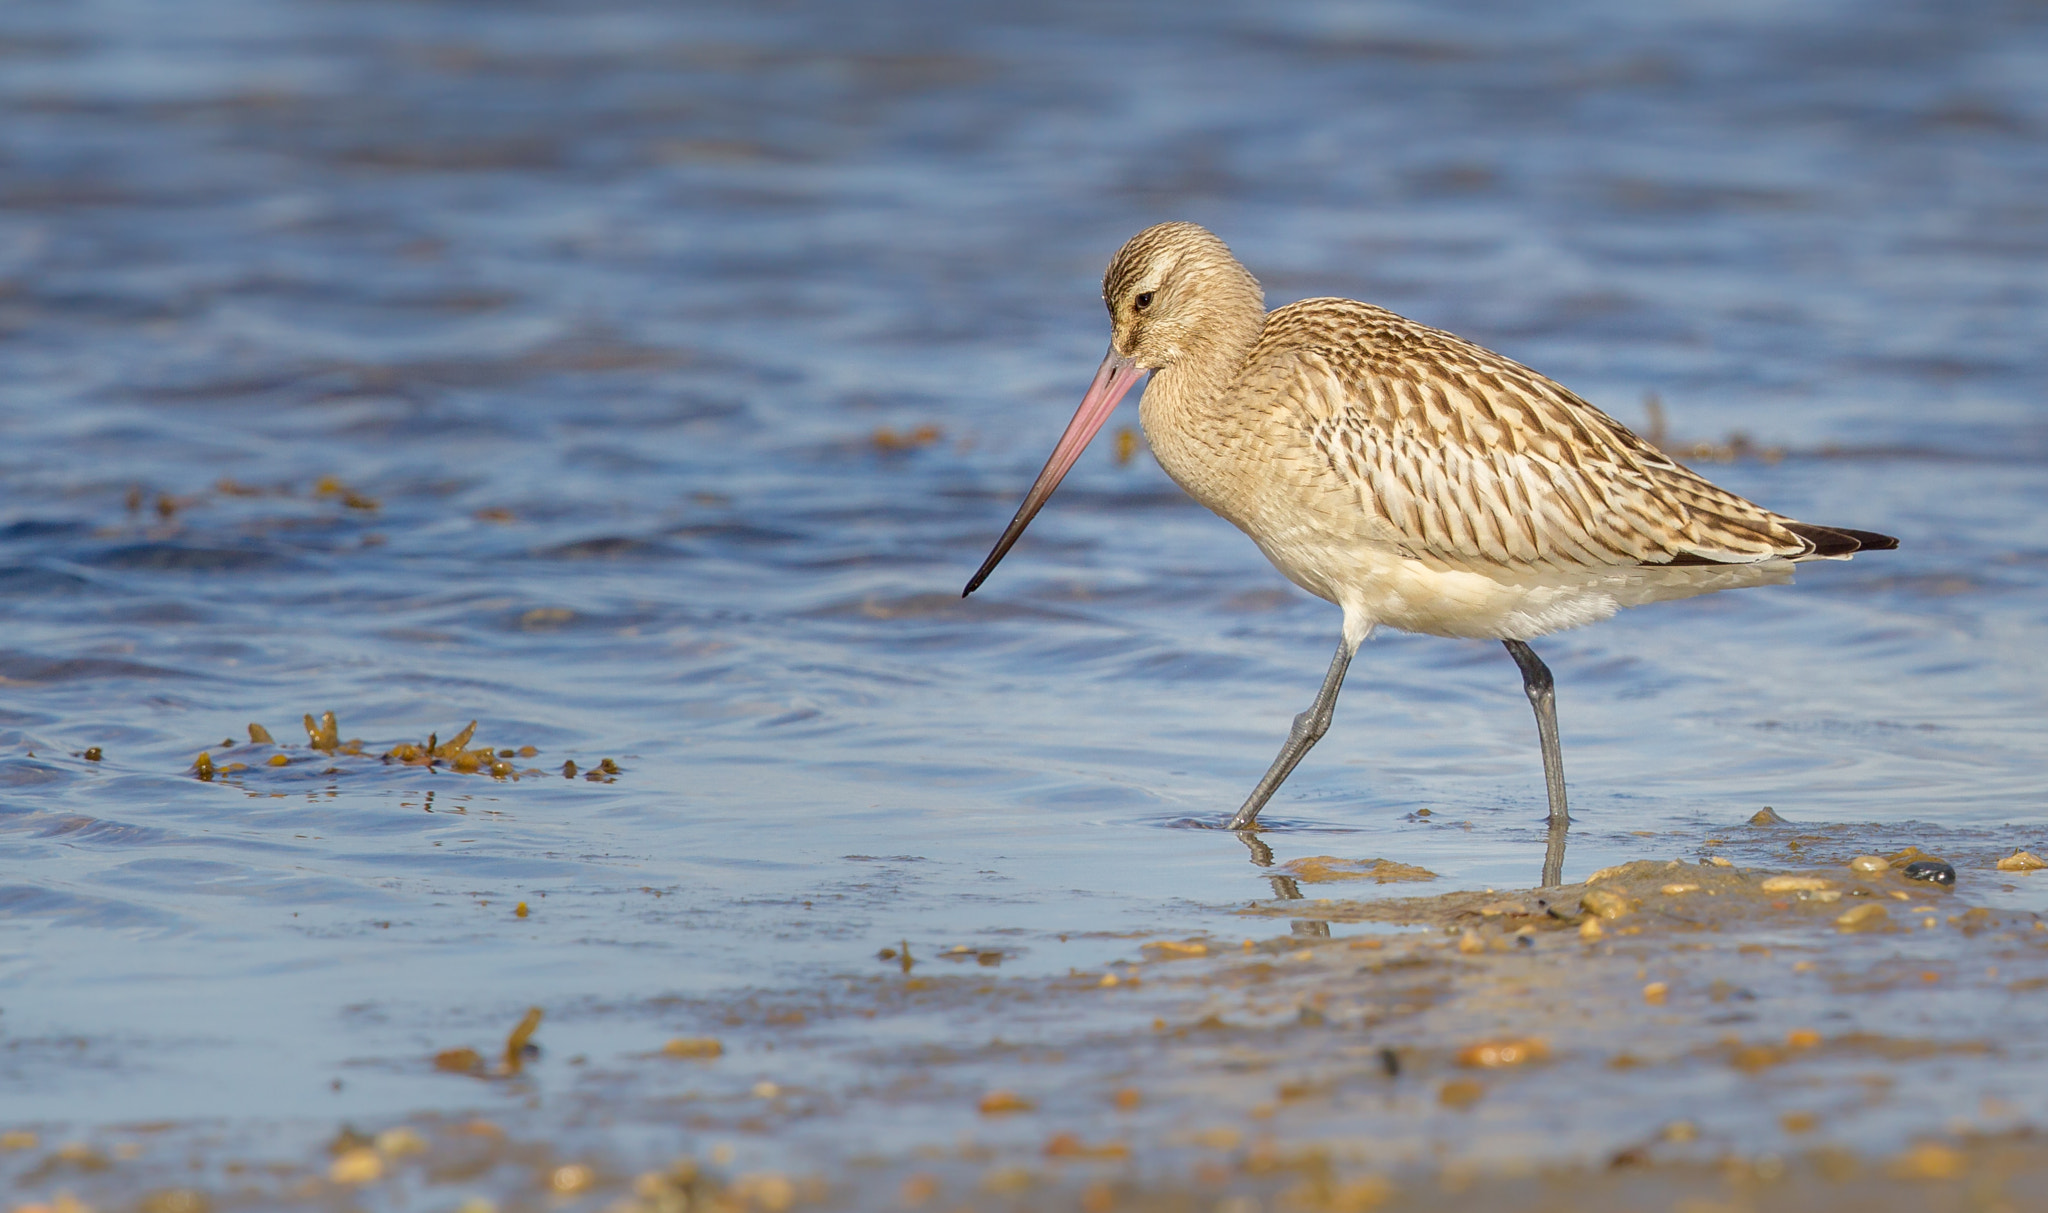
[{"x": 1840, "y": 540}]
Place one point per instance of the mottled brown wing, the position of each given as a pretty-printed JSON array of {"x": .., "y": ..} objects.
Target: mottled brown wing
[{"x": 1468, "y": 458}]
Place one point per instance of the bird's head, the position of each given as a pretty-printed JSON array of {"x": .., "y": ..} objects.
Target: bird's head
[
  {"x": 1173, "y": 291},
  {"x": 1175, "y": 294}
]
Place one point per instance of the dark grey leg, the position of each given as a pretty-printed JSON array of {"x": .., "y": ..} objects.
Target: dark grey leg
[
  {"x": 1542, "y": 692},
  {"x": 1308, "y": 729},
  {"x": 1553, "y": 853}
]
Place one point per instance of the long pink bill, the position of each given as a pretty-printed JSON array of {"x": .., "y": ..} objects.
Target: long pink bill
[{"x": 1112, "y": 379}]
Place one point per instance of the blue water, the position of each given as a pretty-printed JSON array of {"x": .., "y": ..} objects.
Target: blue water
[{"x": 603, "y": 307}]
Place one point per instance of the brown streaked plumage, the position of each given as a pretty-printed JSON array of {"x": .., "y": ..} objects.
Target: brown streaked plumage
[{"x": 1409, "y": 476}]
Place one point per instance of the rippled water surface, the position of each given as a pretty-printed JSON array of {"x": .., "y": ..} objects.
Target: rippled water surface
[{"x": 642, "y": 382}]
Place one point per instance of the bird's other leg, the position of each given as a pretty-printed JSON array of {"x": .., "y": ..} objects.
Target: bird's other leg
[
  {"x": 1308, "y": 729},
  {"x": 1542, "y": 692}
]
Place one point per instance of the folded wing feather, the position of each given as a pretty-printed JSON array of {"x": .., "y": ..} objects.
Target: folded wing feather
[{"x": 1466, "y": 458}]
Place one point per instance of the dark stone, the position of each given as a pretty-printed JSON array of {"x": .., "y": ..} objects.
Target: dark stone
[{"x": 1933, "y": 870}]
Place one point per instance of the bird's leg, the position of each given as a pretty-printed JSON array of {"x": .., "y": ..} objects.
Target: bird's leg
[
  {"x": 1542, "y": 692},
  {"x": 1553, "y": 853},
  {"x": 1308, "y": 729}
]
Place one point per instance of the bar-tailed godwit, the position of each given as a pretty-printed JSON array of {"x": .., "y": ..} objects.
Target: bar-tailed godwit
[{"x": 1407, "y": 475}]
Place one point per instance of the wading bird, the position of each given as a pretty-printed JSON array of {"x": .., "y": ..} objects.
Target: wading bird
[{"x": 1407, "y": 475}]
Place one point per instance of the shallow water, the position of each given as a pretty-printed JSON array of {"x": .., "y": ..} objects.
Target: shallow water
[{"x": 608, "y": 325}]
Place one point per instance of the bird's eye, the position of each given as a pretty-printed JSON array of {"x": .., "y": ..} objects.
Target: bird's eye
[{"x": 1143, "y": 301}]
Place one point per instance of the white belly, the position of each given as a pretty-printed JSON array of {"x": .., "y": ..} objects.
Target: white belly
[{"x": 1378, "y": 585}]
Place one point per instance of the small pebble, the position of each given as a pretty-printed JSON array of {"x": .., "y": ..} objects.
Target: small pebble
[
  {"x": 570, "y": 1179},
  {"x": 2018, "y": 861},
  {"x": 1794, "y": 884},
  {"x": 1493, "y": 1054},
  {"x": 1870, "y": 863},
  {"x": 400, "y": 1141},
  {"x": 1605, "y": 903},
  {"x": 1655, "y": 993},
  {"x": 1929, "y": 1160},
  {"x": 1719, "y": 861},
  {"x": 1933, "y": 871},
  {"x": 1867, "y": 917},
  {"x": 358, "y": 1166}
]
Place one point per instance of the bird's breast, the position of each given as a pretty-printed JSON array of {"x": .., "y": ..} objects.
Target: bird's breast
[
  {"x": 1220, "y": 461},
  {"x": 1277, "y": 492}
]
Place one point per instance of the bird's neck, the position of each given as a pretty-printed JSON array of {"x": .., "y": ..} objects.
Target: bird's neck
[
  {"x": 1211, "y": 355},
  {"x": 1187, "y": 408}
]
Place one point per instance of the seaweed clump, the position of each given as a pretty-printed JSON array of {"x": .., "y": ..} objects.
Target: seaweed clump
[
  {"x": 459, "y": 753},
  {"x": 461, "y": 759}
]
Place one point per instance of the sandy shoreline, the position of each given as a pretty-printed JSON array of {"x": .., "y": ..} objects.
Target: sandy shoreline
[{"x": 1693, "y": 1033}]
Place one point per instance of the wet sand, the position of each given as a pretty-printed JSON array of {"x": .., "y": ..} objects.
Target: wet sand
[{"x": 1703, "y": 1032}]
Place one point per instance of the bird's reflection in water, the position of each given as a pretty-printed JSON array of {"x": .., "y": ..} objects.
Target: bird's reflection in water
[{"x": 1287, "y": 888}]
